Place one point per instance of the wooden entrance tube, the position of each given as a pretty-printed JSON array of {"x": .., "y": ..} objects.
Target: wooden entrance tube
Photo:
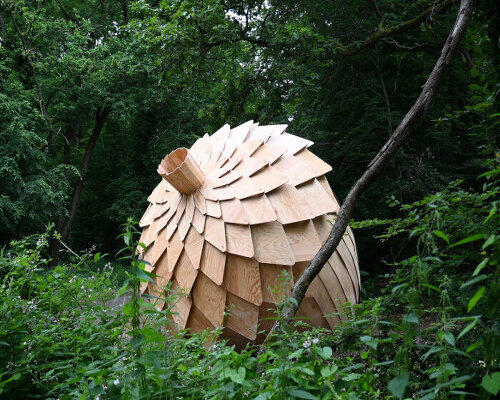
[{"x": 180, "y": 170}]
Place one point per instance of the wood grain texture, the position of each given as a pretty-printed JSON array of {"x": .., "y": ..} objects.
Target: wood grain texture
[
  {"x": 243, "y": 316},
  {"x": 199, "y": 221},
  {"x": 264, "y": 207},
  {"x": 194, "y": 247},
  {"x": 215, "y": 233},
  {"x": 242, "y": 278},
  {"x": 213, "y": 262},
  {"x": 185, "y": 273},
  {"x": 276, "y": 282},
  {"x": 271, "y": 244},
  {"x": 174, "y": 249},
  {"x": 259, "y": 210},
  {"x": 210, "y": 299},
  {"x": 239, "y": 240},
  {"x": 233, "y": 212},
  {"x": 286, "y": 202},
  {"x": 303, "y": 240}
]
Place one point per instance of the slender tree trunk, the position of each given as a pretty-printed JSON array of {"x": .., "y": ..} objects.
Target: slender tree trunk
[
  {"x": 377, "y": 165},
  {"x": 66, "y": 223}
]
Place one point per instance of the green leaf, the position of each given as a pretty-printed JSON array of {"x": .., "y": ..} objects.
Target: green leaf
[
  {"x": 238, "y": 376},
  {"x": 448, "y": 336},
  {"x": 442, "y": 235},
  {"x": 328, "y": 370},
  {"x": 470, "y": 282},
  {"x": 480, "y": 266},
  {"x": 469, "y": 239},
  {"x": 144, "y": 276},
  {"x": 474, "y": 346},
  {"x": 301, "y": 394},
  {"x": 489, "y": 241},
  {"x": 325, "y": 353},
  {"x": 479, "y": 294},
  {"x": 397, "y": 386},
  {"x": 369, "y": 341},
  {"x": 491, "y": 383},
  {"x": 467, "y": 328},
  {"x": 412, "y": 318}
]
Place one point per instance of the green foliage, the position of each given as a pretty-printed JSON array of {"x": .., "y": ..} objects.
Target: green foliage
[{"x": 433, "y": 332}]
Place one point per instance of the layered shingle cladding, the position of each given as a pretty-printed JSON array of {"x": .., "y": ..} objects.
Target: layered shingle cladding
[{"x": 239, "y": 241}]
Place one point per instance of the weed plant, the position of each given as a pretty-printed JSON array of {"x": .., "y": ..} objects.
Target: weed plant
[{"x": 432, "y": 333}]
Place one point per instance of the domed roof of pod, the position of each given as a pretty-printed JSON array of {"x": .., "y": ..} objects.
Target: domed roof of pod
[{"x": 234, "y": 222}]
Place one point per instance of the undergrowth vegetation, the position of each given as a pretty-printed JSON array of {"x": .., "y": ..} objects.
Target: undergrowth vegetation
[{"x": 432, "y": 332}]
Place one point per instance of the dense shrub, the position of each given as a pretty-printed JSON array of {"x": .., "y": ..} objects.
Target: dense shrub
[{"x": 433, "y": 332}]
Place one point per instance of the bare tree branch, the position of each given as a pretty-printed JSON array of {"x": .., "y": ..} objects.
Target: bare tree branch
[
  {"x": 381, "y": 34},
  {"x": 376, "y": 166}
]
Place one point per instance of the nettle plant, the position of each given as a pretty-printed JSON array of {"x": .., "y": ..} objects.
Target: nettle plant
[
  {"x": 438, "y": 323},
  {"x": 53, "y": 321}
]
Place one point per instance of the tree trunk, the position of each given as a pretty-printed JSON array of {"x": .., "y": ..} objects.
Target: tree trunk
[
  {"x": 377, "y": 165},
  {"x": 66, "y": 223}
]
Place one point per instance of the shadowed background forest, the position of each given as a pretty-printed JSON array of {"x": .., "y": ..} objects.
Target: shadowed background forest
[{"x": 94, "y": 94}]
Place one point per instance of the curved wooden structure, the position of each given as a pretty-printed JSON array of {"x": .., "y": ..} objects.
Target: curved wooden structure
[{"x": 232, "y": 217}]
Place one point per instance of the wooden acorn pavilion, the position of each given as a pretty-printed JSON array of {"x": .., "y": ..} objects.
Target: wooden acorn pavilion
[{"x": 233, "y": 213}]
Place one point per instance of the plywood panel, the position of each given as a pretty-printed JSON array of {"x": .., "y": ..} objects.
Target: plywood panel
[
  {"x": 159, "y": 194},
  {"x": 292, "y": 143},
  {"x": 185, "y": 273},
  {"x": 218, "y": 141},
  {"x": 213, "y": 209},
  {"x": 259, "y": 210},
  {"x": 174, "y": 249},
  {"x": 159, "y": 247},
  {"x": 199, "y": 221},
  {"x": 323, "y": 227},
  {"x": 233, "y": 212},
  {"x": 310, "y": 312},
  {"x": 269, "y": 153},
  {"x": 182, "y": 306},
  {"x": 244, "y": 188},
  {"x": 316, "y": 163},
  {"x": 271, "y": 244},
  {"x": 326, "y": 186},
  {"x": 194, "y": 247},
  {"x": 287, "y": 204},
  {"x": 197, "y": 322},
  {"x": 199, "y": 202},
  {"x": 146, "y": 217},
  {"x": 184, "y": 226},
  {"x": 190, "y": 206},
  {"x": 224, "y": 193},
  {"x": 349, "y": 264},
  {"x": 180, "y": 209},
  {"x": 163, "y": 272},
  {"x": 296, "y": 170},
  {"x": 268, "y": 179},
  {"x": 210, "y": 299},
  {"x": 276, "y": 282},
  {"x": 331, "y": 282},
  {"x": 303, "y": 240},
  {"x": 345, "y": 280},
  {"x": 243, "y": 316},
  {"x": 213, "y": 262},
  {"x": 215, "y": 233},
  {"x": 239, "y": 240},
  {"x": 323, "y": 204},
  {"x": 242, "y": 278}
]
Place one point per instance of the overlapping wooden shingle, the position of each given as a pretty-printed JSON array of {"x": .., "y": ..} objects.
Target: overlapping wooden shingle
[{"x": 250, "y": 203}]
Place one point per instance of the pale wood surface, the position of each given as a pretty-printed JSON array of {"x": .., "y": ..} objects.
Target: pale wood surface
[
  {"x": 242, "y": 278},
  {"x": 264, "y": 206}
]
